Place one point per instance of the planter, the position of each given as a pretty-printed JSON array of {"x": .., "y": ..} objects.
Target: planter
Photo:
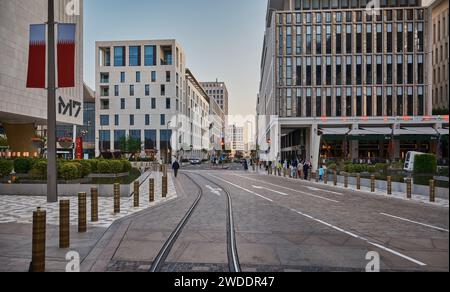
[{"x": 65, "y": 145}]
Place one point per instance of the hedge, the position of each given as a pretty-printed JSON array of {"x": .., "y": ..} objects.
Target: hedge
[
  {"x": 116, "y": 166},
  {"x": 70, "y": 171},
  {"x": 6, "y": 167},
  {"x": 103, "y": 167},
  {"x": 22, "y": 165},
  {"x": 425, "y": 164}
]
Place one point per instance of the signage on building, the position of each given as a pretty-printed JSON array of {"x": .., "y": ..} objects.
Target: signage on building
[{"x": 72, "y": 108}]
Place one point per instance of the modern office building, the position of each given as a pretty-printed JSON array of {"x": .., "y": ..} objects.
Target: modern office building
[
  {"x": 219, "y": 92},
  {"x": 440, "y": 18},
  {"x": 144, "y": 91},
  {"x": 22, "y": 110},
  {"x": 235, "y": 139},
  {"x": 340, "y": 81}
]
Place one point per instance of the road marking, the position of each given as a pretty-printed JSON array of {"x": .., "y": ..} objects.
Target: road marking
[
  {"x": 362, "y": 238},
  {"x": 297, "y": 191},
  {"x": 415, "y": 222},
  {"x": 273, "y": 191},
  {"x": 239, "y": 187},
  {"x": 213, "y": 190},
  {"x": 326, "y": 191}
]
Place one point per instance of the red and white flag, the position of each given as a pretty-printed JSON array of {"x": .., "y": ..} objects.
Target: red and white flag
[
  {"x": 37, "y": 57},
  {"x": 66, "y": 55}
]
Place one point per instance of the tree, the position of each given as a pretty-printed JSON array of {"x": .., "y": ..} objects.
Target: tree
[{"x": 129, "y": 145}]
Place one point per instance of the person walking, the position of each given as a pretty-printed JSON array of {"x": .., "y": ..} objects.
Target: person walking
[
  {"x": 321, "y": 173},
  {"x": 175, "y": 167},
  {"x": 294, "y": 168},
  {"x": 305, "y": 170}
]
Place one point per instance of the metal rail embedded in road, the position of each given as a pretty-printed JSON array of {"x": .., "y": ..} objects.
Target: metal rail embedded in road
[
  {"x": 233, "y": 258},
  {"x": 164, "y": 252}
]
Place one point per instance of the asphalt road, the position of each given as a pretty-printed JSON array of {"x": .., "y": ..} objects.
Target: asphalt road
[{"x": 280, "y": 225}]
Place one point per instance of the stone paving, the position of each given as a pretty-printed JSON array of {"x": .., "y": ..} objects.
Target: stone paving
[{"x": 19, "y": 209}]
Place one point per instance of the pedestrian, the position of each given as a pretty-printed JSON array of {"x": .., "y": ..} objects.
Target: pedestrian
[
  {"x": 245, "y": 165},
  {"x": 294, "y": 168},
  {"x": 305, "y": 170},
  {"x": 175, "y": 167},
  {"x": 321, "y": 173}
]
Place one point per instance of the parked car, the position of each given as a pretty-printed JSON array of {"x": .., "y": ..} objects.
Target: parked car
[{"x": 195, "y": 161}]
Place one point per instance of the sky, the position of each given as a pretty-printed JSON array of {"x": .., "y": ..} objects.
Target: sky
[{"x": 221, "y": 39}]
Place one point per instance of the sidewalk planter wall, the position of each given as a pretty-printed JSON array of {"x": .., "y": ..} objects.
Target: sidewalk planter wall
[{"x": 63, "y": 190}]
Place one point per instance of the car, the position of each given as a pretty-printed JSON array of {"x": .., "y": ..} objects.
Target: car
[{"x": 195, "y": 161}]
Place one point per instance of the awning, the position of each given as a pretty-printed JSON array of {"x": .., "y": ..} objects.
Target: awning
[
  {"x": 415, "y": 133},
  {"x": 443, "y": 132},
  {"x": 334, "y": 134},
  {"x": 370, "y": 134}
]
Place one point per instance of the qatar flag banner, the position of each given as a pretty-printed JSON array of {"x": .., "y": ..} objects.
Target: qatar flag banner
[
  {"x": 37, "y": 57},
  {"x": 66, "y": 55}
]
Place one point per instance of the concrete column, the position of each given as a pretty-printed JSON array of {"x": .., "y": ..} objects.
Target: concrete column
[
  {"x": 158, "y": 144},
  {"x": 315, "y": 147}
]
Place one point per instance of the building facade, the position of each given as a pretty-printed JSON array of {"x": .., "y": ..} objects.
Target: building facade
[
  {"x": 144, "y": 91},
  {"x": 219, "y": 92},
  {"x": 24, "y": 110},
  {"x": 235, "y": 139},
  {"x": 331, "y": 64},
  {"x": 440, "y": 19}
]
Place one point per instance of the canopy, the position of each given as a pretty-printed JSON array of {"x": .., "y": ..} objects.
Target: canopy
[
  {"x": 416, "y": 133},
  {"x": 370, "y": 134},
  {"x": 334, "y": 134}
]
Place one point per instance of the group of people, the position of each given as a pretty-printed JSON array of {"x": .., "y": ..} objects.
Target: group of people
[{"x": 298, "y": 168}]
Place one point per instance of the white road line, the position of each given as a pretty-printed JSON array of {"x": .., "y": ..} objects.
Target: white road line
[
  {"x": 239, "y": 187},
  {"x": 325, "y": 191},
  {"x": 364, "y": 239},
  {"x": 297, "y": 191},
  {"x": 331, "y": 226},
  {"x": 213, "y": 190},
  {"x": 273, "y": 191},
  {"x": 415, "y": 222}
]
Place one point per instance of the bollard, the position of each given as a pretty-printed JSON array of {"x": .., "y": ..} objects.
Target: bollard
[
  {"x": 372, "y": 183},
  {"x": 346, "y": 180},
  {"x": 116, "y": 198},
  {"x": 136, "y": 194},
  {"x": 38, "y": 247},
  {"x": 151, "y": 192},
  {"x": 64, "y": 224},
  {"x": 389, "y": 185},
  {"x": 82, "y": 226},
  {"x": 335, "y": 178},
  {"x": 358, "y": 182},
  {"x": 316, "y": 174},
  {"x": 309, "y": 174},
  {"x": 164, "y": 186},
  {"x": 432, "y": 191},
  {"x": 325, "y": 178},
  {"x": 94, "y": 204},
  {"x": 285, "y": 172},
  {"x": 408, "y": 188}
]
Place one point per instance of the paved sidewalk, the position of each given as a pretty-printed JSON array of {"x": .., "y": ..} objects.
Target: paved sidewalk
[{"x": 16, "y": 228}]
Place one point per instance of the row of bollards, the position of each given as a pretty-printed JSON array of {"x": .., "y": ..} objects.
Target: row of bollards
[{"x": 40, "y": 219}]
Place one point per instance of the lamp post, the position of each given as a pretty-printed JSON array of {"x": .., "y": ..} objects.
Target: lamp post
[{"x": 167, "y": 142}]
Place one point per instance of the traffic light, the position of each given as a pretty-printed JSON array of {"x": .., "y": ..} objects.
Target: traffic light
[{"x": 223, "y": 144}]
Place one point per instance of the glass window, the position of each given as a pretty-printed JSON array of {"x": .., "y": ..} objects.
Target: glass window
[
  {"x": 147, "y": 120},
  {"x": 349, "y": 38},
  {"x": 400, "y": 101},
  {"x": 150, "y": 55},
  {"x": 138, "y": 77},
  {"x": 318, "y": 39},
  {"x": 104, "y": 120},
  {"x": 122, "y": 103},
  {"x": 147, "y": 90},
  {"x": 338, "y": 102},
  {"x": 150, "y": 139},
  {"x": 389, "y": 102},
  {"x": 135, "y": 55},
  {"x": 116, "y": 120},
  {"x": 348, "y": 102},
  {"x": 116, "y": 90},
  {"x": 163, "y": 119},
  {"x": 131, "y": 120},
  {"x": 119, "y": 135},
  {"x": 138, "y": 103},
  {"x": 168, "y": 101},
  {"x": 153, "y": 76},
  {"x": 131, "y": 90},
  {"x": 308, "y": 102},
  {"x": 318, "y": 102},
  {"x": 153, "y": 103},
  {"x": 400, "y": 37},
  {"x": 119, "y": 56},
  {"x": 122, "y": 77}
]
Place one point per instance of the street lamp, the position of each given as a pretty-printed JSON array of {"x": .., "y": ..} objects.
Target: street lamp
[{"x": 167, "y": 141}]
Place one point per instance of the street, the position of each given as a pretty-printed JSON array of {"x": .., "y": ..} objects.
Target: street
[{"x": 279, "y": 225}]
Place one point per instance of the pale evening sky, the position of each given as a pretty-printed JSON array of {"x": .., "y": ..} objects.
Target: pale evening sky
[{"x": 221, "y": 39}]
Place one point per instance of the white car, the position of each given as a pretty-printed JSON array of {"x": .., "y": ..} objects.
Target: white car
[{"x": 195, "y": 161}]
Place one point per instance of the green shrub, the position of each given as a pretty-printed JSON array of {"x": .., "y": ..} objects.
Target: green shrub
[
  {"x": 70, "y": 171},
  {"x": 443, "y": 171},
  {"x": 103, "y": 167},
  {"x": 116, "y": 166},
  {"x": 381, "y": 167},
  {"x": 93, "y": 163},
  {"x": 6, "y": 167},
  {"x": 126, "y": 166},
  {"x": 425, "y": 164},
  {"x": 86, "y": 168},
  {"x": 41, "y": 169},
  {"x": 22, "y": 165},
  {"x": 332, "y": 166},
  {"x": 371, "y": 169}
]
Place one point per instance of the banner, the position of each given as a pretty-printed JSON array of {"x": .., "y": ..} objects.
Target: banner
[
  {"x": 37, "y": 57},
  {"x": 79, "y": 148},
  {"x": 66, "y": 55}
]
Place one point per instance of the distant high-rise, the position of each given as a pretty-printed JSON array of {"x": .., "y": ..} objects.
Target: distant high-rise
[{"x": 218, "y": 91}]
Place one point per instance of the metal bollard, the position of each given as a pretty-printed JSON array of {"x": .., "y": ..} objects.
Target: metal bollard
[
  {"x": 389, "y": 185},
  {"x": 164, "y": 186},
  {"x": 325, "y": 178},
  {"x": 372, "y": 183},
  {"x": 94, "y": 204},
  {"x": 309, "y": 174},
  {"x": 116, "y": 198},
  {"x": 82, "y": 222},
  {"x": 64, "y": 224},
  {"x": 335, "y": 178},
  {"x": 408, "y": 188},
  {"x": 432, "y": 191},
  {"x": 39, "y": 237},
  {"x": 358, "y": 182},
  {"x": 316, "y": 174},
  {"x": 285, "y": 172},
  {"x": 346, "y": 180},
  {"x": 151, "y": 192},
  {"x": 136, "y": 194}
]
